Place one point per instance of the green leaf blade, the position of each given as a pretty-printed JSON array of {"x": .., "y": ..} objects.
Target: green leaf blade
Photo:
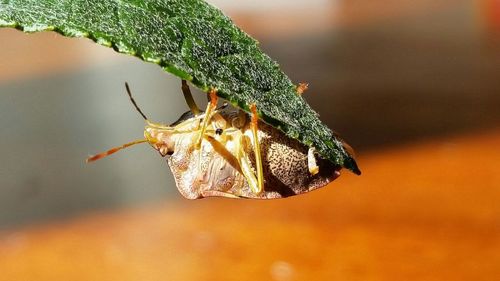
[{"x": 194, "y": 41}]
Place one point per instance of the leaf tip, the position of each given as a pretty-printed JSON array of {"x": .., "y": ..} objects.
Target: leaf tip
[{"x": 351, "y": 164}]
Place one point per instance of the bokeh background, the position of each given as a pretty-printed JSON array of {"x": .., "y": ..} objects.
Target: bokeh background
[{"x": 414, "y": 86}]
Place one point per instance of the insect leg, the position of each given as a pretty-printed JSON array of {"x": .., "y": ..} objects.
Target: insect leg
[
  {"x": 311, "y": 162},
  {"x": 246, "y": 166},
  {"x": 301, "y": 88},
  {"x": 256, "y": 149},
  {"x": 216, "y": 193},
  {"x": 226, "y": 154},
  {"x": 189, "y": 98},
  {"x": 208, "y": 115}
]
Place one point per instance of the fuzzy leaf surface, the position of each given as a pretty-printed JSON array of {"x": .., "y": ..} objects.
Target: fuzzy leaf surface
[{"x": 194, "y": 41}]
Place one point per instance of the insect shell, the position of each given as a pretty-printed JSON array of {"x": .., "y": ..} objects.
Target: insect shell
[
  {"x": 218, "y": 167},
  {"x": 216, "y": 155}
]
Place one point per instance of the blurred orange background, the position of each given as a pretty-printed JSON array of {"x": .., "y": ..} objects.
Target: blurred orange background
[{"x": 413, "y": 86}]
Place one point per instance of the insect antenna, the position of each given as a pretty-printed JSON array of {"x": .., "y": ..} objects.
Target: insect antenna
[
  {"x": 133, "y": 101},
  {"x": 123, "y": 146},
  {"x": 113, "y": 150}
]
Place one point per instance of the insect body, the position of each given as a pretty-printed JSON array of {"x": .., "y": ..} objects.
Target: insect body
[{"x": 223, "y": 152}]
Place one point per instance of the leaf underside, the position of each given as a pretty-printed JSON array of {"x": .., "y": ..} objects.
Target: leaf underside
[{"x": 194, "y": 41}]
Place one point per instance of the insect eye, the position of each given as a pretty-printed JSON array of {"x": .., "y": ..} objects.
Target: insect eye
[{"x": 218, "y": 131}]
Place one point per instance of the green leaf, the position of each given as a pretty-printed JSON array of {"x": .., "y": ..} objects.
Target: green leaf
[{"x": 194, "y": 41}]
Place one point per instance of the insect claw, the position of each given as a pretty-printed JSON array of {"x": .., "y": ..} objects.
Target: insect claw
[{"x": 302, "y": 88}]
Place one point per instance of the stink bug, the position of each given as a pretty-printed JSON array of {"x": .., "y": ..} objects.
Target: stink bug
[{"x": 226, "y": 152}]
